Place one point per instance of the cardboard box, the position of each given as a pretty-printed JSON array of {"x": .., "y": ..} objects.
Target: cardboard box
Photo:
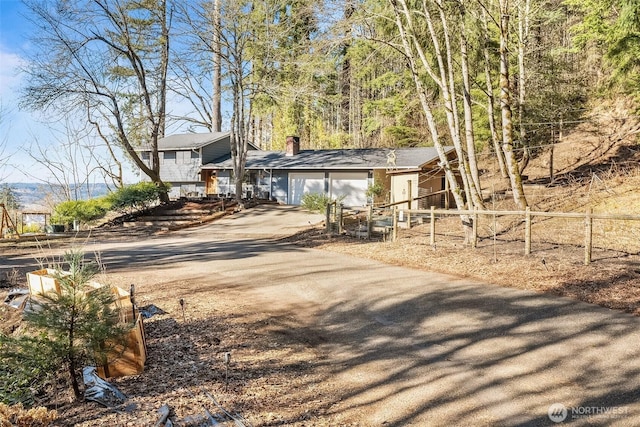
[
  {"x": 44, "y": 281},
  {"x": 127, "y": 359}
]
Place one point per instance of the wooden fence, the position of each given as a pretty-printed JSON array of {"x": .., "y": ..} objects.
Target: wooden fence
[{"x": 588, "y": 217}]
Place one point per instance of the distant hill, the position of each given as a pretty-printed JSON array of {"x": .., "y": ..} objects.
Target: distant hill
[{"x": 37, "y": 196}]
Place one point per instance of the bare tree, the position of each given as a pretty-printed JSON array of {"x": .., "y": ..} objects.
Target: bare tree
[
  {"x": 505, "y": 106},
  {"x": 399, "y": 9},
  {"x": 216, "y": 110},
  {"x": 433, "y": 54},
  {"x": 108, "y": 58},
  {"x": 466, "y": 102},
  {"x": 242, "y": 43},
  {"x": 66, "y": 166},
  {"x": 524, "y": 11},
  {"x": 493, "y": 128}
]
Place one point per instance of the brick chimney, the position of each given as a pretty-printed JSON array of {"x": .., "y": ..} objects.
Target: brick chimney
[{"x": 293, "y": 146}]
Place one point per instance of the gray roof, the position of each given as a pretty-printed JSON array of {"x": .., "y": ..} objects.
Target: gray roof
[
  {"x": 189, "y": 141},
  {"x": 358, "y": 158}
]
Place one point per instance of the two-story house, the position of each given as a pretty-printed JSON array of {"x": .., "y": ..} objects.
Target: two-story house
[
  {"x": 198, "y": 165},
  {"x": 182, "y": 157}
]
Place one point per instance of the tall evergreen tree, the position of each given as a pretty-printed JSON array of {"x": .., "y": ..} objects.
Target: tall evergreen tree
[{"x": 612, "y": 28}]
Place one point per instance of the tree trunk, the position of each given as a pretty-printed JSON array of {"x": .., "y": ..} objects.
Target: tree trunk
[
  {"x": 71, "y": 358},
  {"x": 505, "y": 104},
  {"x": 523, "y": 36},
  {"x": 216, "y": 108},
  {"x": 495, "y": 139},
  {"x": 426, "y": 108},
  {"x": 451, "y": 109},
  {"x": 468, "y": 116}
]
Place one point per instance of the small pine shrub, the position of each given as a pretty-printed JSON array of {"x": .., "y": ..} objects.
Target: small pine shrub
[
  {"x": 315, "y": 202},
  {"x": 72, "y": 328}
]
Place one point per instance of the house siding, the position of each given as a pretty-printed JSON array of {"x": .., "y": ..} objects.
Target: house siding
[
  {"x": 214, "y": 151},
  {"x": 400, "y": 190},
  {"x": 179, "y": 166},
  {"x": 225, "y": 184},
  {"x": 186, "y": 189},
  {"x": 280, "y": 186}
]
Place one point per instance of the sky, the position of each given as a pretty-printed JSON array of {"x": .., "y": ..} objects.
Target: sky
[
  {"x": 19, "y": 130},
  {"x": 15, "y": 126}
]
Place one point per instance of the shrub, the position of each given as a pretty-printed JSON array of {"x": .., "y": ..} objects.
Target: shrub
[
  {"x": 317, "y": 202},
  {"x": 31, "y": 228},
  {"x": 375, "y": 190},
  {"x": 84, "y": 211},
  {"x": 136, "y": 196},
  {"x": 26, "y": 369}
]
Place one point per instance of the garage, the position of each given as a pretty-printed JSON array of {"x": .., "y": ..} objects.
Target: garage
[
  {"x": 304, "y": 182},
  {"x": 350, "y": 185}
]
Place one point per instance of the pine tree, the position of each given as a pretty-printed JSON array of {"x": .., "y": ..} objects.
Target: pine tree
[{"x": 79, "y": 322}]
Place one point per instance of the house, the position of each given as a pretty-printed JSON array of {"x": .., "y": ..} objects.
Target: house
[
  {"x": 199, "y": 165},
  {"x": 285, "y": 176},
  {"x": 182, "y": 157}
]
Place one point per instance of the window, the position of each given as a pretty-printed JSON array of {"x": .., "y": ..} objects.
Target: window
[{"x": 169, "y": 157}]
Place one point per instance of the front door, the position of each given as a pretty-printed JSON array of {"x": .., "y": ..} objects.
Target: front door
[{"x": 211, "y": 181}]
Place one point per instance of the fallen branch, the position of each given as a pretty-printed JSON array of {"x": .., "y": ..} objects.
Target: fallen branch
[{"x": 238, "y": 422}]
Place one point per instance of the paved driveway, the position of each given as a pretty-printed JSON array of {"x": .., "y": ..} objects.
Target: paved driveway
[{"x": 409, "y": 347}]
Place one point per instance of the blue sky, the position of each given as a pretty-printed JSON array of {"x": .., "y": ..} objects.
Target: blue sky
[
  {"x": 20, "y": 130},
  {"x": 15, "y": 125}
]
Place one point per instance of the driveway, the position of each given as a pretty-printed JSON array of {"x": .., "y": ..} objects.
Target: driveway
[{"x": 408, "y": 347}]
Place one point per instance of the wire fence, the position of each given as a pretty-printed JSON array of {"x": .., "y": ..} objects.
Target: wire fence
[{"x": 532, "y": 230}]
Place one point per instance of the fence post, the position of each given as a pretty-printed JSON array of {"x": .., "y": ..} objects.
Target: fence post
[
  {"x": 446, "y": 194},
  {"x": 394, "y": 234},
  {"x": 328, "y": 218},
  {"x": 474, "y": 228},
  {"x": 432, "y": 226},
  {"x": 339, "y": 209},
  {"x": 588, "y": 236},
  {"x": 527, "y": 231},
  {"x": 369, "y": 221}
]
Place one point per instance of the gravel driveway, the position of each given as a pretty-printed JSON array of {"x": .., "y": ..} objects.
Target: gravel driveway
[{"x": 407, "y": 347}]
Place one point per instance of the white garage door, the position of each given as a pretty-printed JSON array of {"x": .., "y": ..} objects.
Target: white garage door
[
  {"x": 351, "y": 185},
  {"x": 301, "y": 183}
]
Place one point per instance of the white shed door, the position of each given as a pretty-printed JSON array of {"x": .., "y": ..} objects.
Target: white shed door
[
  {"x": 304, "y": 182},
  {"x": 351, "y": 185}
]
